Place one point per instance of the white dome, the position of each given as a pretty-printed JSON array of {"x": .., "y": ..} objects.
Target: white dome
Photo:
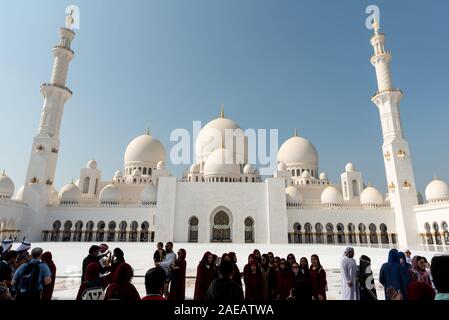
[
  {"x": 195, "y": 168},
  {"x": 70, "y": 193},
  {"x": 144, "y": 149},
  {"x": 149, "y": 194},
  {"x": 136, "y": 172},
  {"x": 331, "y": 196},
  {"x": 6, "y": 186},
  {"x": 212, "y": 137},
  {"x": 19, "y": 194},
  {"x": 298, "y": 150},
  {"x": 77, "y": 183},
  {"x": 437, "y": 190},
  {"x": 110, "y": 193},
  {"x": 349, "y": 167},
  {"x": 371, "y": 196},
  {"x": 220, "y": 163},
  {"x": 323, "y": 176},
  {"x": 248, "y": 169},
  {"x": 160, "y": 165},
  {"x": 92, "y": 164},
  {"x": 282, "y": 166},
  {"x": 118, "y": 174},
  {"x": 293, "y": 195},
  {"x": 305, "y": 174}
]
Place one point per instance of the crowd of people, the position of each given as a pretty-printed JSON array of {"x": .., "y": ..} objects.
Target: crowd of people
[{"x": 106, "y": 275}]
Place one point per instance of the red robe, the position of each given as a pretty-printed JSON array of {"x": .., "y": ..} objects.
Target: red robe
[
  {"x": 318, "y": 282},
  {"x": 47, "y": 291},
  {"x": 253, "y": 286},
  {"x": 284, "y": 283},
  {"x": 204, "y": 277},
  {"x": 121, "y": 287},
  {"x": 178, "y": 283}
]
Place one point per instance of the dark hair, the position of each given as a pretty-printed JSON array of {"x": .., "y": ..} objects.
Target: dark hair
[
  {"x": 160, "y": 244},
  {"x": 439, "y": 269},
  {"x": 169, "y": 243},
  {"x": 317, "y": 260},
  {"x": 154, "y": 280},
  {"x": 10, "y": 255},
  {"x": 119, "y": 255},
  {"x": 94, "y": 248},
  {"x": 226, "y": 268}
]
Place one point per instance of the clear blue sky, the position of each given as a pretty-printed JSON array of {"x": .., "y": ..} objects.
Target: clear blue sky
[{"x": 274, "y": 64}]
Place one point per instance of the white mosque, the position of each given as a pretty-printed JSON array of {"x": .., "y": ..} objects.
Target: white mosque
[{"x": 218, "y": 201}]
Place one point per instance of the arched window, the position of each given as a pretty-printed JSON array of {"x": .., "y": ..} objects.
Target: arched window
[
  {"x": 78, "y": 231},
  {"x": 111, "y": 231},
  {"x": 373, "y": 239},
  {"x": 196, "y": 179},
  {"x": 221, "y": 230},
  {"x": 319, "y": 233},
  {"x": 384, "y": 234},
  {"x": 100, "y": 231},
  {"x": 144, "y": 231},
  {"x": 133, "y": 233},
  {"x": 293, "y": 172},
  {"x": 249, "y": 230},
  {"x": 362, "y": 234},
  {"x": 436, "y": 230},
  {"x": 351, "y": 233},
  {"x": 56, "y": 231},
  {"x": 308, "y": 233},
  {"x": 298, "y": 173},
  {"x": 246, "y": 179},
  {"x": 67, "y": 233},
  {"x": 122, "y": 233},
  {"x": 193, "y": 229},
  {"x": 149, "y": 171},
  {"x": 330, "y": 233},
  {"x": 355, "y": 188},
  {"x": 341, "y": 233},
  {"x": 297, "y": 234},
  {"x": 221, "y": 179},
  {"x": 429, "y": 237},
  {"x": 88, "y": 236},
  {"x": 144, "y": 171},
  {"x": 445, "y": 228},
  {"x": 86, "y": 185}
]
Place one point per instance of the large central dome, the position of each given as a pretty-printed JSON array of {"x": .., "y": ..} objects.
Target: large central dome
[
  {"x": 144, "y": 149},
  {"x": 298, "y": 151},
  {"x": 213, "y": 135}
]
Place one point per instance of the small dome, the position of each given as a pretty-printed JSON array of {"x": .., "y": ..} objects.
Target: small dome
[
  {"x": 282, "y": 166},
  {"x": 371, "y": 196},
  {"x": 437, "y": 190},
  {"x": 331, "y": 196},
  {"x": 195, "y": 168},
  {"x": 6, "y": 186},
  {"x": 118, "y": 174},
  {"x": 220, "y": 163},
  {"x": 136, "y": 172},
  {"x": 248, "y": 169},
  {"x": 160, "y": 165},
  {"x": 149, "y": 193},
  {"x": 305, "y": 174},
  {"x": 323, "y": 176},
  {"x": 144, "y": 149},
  {"x": 92, "y": 164},
  {"x": 110, "y": 193},
  {"x": 298, "y": 151},
  {"x": 19, "y": 194},
  {"x": 293, "y": 195},
  {"x": 349, "y": 167},
  {"x": 69, "y": 193}
]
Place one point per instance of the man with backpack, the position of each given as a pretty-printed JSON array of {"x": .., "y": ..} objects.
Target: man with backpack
[{"x": 30, "y": 278}]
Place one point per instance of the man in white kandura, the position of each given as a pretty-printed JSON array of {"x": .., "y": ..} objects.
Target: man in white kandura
[{"x": 348, "y": 271}]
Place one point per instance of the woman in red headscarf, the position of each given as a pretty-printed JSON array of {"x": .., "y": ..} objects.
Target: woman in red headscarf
[
  {"x": 247, "y": 267},
  {"x": 121, "y": 287},
  {"x": 317, "y": 277},
  {"x": 237, "y": 276},
  {"x": 92, "y": 287},
  {"x": 206, "y": 272},
  {"x": 284, "y": 281},
  {"x": 47, "y": 292},
  {"x": 178, "y": 283},
  {"x": 253, "y": 283}
]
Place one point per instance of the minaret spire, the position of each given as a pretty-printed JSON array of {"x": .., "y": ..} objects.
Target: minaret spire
[
  {"x": 44, "y": 153},
  {"x": 222, "y": 111},
  {"x": 397, "y": 159}
]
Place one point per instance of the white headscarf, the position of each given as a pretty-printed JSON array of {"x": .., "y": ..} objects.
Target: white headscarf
[
  {"x": 6, "y": 244},
  {"x": 24, "y": 246}
]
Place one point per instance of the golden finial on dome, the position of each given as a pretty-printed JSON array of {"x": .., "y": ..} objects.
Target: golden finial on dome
[
  {"x": 148, "y": 132},
  {"x": 295, "y": 134},
  {"x": 69, "y": 20},
  {"x": 376, "y": 25},
  {"x": 222, "y": 111},
  {"x": 4, "y": 172}
]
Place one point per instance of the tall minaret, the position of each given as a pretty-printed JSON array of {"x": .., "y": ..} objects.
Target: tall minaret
[
  {"x": 44, "y": 153},
  {"x": 398, "y": 162}
]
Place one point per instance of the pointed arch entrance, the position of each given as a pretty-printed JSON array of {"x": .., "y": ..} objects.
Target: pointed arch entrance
[{"x": 221, "y": 226}]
